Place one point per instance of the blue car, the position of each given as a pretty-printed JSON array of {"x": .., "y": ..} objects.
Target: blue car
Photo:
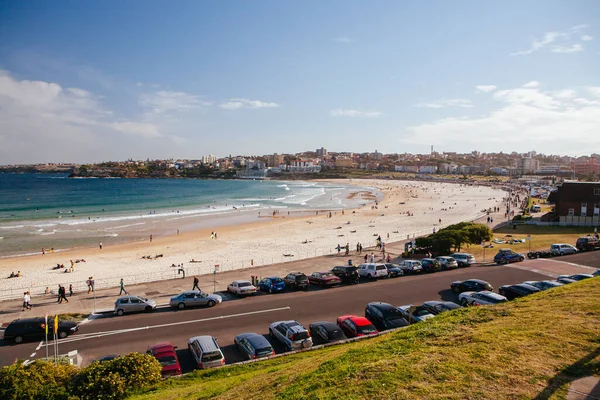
[
  {"x": 272, "y": 284},
  {"x": 506, "y": 256}
]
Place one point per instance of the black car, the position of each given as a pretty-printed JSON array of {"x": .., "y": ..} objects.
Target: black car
[
  {"x": 470, "y": 285},
  {"x": 431, "y": 265},
  {"x": 513, "y": 291},
  {"x": 437, "y": 307},
  {"x": 587, "y": 243},
  {"x": 21, "y": 330},
  {"x": 394, "y": 270},
  {"x": 253, "y": 345},
  {"x": 326, "y": 332},
  {"x": 296, "y": 280},
  {"x": 576, "y": 277},
  {"x": 346, "y": 273},
  {"x": 596, "y": 272},
  {"x": 565, "y": 280},
  {"x": 384, "y": 316}
]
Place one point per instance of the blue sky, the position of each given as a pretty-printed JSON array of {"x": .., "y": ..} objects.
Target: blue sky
[{"x": 90, "y": 81}]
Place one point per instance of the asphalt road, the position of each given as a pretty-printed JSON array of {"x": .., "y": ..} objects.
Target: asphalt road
[
  {"x": 134, "y": 333},
  {"x": 587, "y": 258}
]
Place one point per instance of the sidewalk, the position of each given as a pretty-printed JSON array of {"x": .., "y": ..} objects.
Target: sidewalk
[{"x": 161, "y": 291}]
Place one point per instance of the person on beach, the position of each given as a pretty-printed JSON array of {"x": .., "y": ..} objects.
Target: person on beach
[
  {"x": 196, "y": 282},
  {"x": 357, "y": 248},
  {"x": 122, "y": 286},
  {"x": 150, "y": 238},
  {"x": 70, "y": 289},
  {"x": 100, "y": 245},
  {"x": 366, "y": 257},
  {"x": 62, "y": 294},
  {"x": 43, "y": 251},
  {"x": 339, "y": 248},
  {"x": 372, "y": 258},
  {"x": 347, "y": 248},
  {"x": 89, "y": 284},
  {"x": 212, "y": 235},
  {"x": 26, "y": 300}
]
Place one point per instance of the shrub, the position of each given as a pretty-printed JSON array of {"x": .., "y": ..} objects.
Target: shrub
[{"x": 39, "y": 380}]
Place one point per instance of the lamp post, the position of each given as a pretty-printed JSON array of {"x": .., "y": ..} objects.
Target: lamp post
[{"x": 483, "y": 246}]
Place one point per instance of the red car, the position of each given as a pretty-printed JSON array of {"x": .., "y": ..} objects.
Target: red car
[
  {"x": 324, "y": 279},
  {"x": 354, "y": 326},
  {"x": 164, "y": 352}
]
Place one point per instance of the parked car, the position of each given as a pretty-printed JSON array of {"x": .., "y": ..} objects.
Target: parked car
[
  {"x": 394, "y": 270},
  {"x": 205, "y": 351},
  {"x": 464, "y": 259},
  {"x": 130, "y": 303},
  {"x": 576, "y": 277},
  {"x": 293, "y": 335},
  {"x": 519, "y": 290},
  {"x": 354, "y": 326},
  {"x": 470, "y": 285},
  {"x": 430, "y": 265},
  {"x": 411, "y": 266},
  {"x": 195, "y": 298},
  {"x": 253, "y": 345},
  {"x": 384, "y": 316},
  {"x": 447, "y": 262},
  {"x": 326, "y": 332},
  {"x": 544, "y": 285},
  {"x": 296, "y": 280},
  {"x": 272, "y": 284},
  {"x": 164, "y": 352},
  {"x": 560, "y": 249},
  {"x": 540, "y": 254},
  {"x": 480, "y": 298},
  {"x": 596, "y": 272},
  {"x": 241, "y": 288},
  {"x": 587, "y": 243},
  {"x": 565, "y": 280},
  {"x": 506, "y": 256},
  {"x": 324, "y": 279},
  {"x": 25, "y": 329},
  {"x": 437, "y": 307},
  {"x": 346, "y": 273},
  {"x": 106, "y": 358},
  {"x": 414, "y": 314},
  {"x": 372, "y": 271}
]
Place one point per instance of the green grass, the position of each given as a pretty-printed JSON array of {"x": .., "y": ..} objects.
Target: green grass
[
  {"x": 526, "y": 348},
  {"x": 73, "y": 317}
]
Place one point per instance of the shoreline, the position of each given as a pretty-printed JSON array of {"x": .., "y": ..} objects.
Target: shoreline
[{"x": 263, "y": 241}]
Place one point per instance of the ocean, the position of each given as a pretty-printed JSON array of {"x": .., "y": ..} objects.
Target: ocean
[{"x": 53, "y": 211}]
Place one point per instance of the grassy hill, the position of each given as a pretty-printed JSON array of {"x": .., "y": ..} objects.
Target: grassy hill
[{"x": 525, "y": 349}]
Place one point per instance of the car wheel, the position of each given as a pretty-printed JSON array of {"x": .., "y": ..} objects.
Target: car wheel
[
  {"x": 270, "y": 290},
  {"x": 120, "y": 312},
  {"x": 561, "y": 254},
  {"x": 464, "y": 302},
  {"x": 18, "y": 339},
  {"x": 62, "y": 334},
  {"x": 211, "y": 303},
  {"x": 148, "y": 309},
  {"x": 521, "y": 258},
  {"x": 181, "y": 306}
]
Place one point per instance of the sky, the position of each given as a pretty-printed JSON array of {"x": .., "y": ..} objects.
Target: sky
[{"x": 90, "y": 81}]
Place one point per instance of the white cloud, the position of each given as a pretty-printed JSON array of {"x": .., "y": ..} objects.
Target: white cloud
[
  {"x": 234, "y": 104},
  {"x": 465, "y": 103},
  {"x": 531, "y": 84},
  {"x": 143, "y": 129},
  {"x": 524, "y": 116},
  {"x": 343, "y": 39},
  {"x": 167, "y": 101},
  {"x": 344, "y": 112},
  {"x": 485, "y": 88},
  {"x": 585, "y": 38},
  {"x": 568, "y": 49},
  {"x": 559, "y": 41}
]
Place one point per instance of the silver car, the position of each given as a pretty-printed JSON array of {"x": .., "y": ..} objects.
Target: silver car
[
  {"x": 127, "y": 304},
  {"x": 447, "y": 262},
  {"x": 560, "y": 249},
  {"x": 195, "y": 298}
]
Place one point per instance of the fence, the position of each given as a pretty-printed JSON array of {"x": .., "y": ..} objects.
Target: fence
[{"x": 207, "y": 267}]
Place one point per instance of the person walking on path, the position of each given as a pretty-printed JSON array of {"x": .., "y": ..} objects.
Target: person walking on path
[
  {"x": 196, "y": 282},
  {"x": 70, "y": 289},
  {"x": 89, "y": 284},
  {"x": 347, "y": 248},
  {"x": 339, "y": 248},
  {"x": 372, "y": 258},
  {"x": 366, "y": 256},
  {"x": 122, "y": 285},
  {"x": 26, "y": 301},
  {"x": 62, "y": 294}
]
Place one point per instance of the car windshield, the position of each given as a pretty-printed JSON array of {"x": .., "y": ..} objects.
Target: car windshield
[
  {"x": 326, "y": 274},
  {"x": 167, "y": 360},
  {"x": 244, "y": 284},
  {"x": 276, "y": 280},
  {"x": 301, "y": 278},
  {"x": 391, "y": 313},
  {"x": 366, "y": 329},
  {"x": 215, "y": 355}
]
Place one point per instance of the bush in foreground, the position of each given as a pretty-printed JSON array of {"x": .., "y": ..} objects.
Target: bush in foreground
[{"x": 40, "y": 380}]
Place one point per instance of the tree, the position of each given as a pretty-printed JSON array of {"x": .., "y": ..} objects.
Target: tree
[{"x": 455, "y": 237}]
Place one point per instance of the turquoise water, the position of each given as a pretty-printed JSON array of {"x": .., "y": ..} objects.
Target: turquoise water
[{"x": 51, "y": 210}]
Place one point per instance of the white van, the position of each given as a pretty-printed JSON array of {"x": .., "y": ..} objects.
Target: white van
[
  {"x": 536, "y": 208},
  {"x": 206, "y": 352},
  {"x": 372, "y": 270}
]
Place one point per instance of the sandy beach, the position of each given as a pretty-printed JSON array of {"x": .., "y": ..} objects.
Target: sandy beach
[{"x": 267, "y": 240}]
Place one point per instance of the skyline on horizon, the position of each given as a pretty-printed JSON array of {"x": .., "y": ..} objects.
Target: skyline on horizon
[{"x": 91, "y": 82}]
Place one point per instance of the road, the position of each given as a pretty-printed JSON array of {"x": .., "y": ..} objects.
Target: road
[{"x": 133, "y": 333}]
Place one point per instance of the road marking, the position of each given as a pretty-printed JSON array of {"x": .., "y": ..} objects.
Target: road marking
[
  {"x": 32, "y": 355},
  {"x": 573, "y": 264},
  {"x": 95, "y": 335},
  {"x": 39, "y": 345}
]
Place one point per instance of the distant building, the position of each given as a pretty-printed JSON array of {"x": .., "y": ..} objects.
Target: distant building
[
  {"x": 499, "y": 171},
  {"x": 527, "y": 165},
  {"x": 344, "y": 162},
  {"x": 322, "y": 152},
  {"x": 377, "y": 155},
  {"x": 274, "y": 160},
  {"x": 406, "y": 168},
  {"x": 305, "y": 166},
  {"x": 209, "y": 159},
  {"x": 428, "y": 169},
  {"x": 586, "y": 166}
]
